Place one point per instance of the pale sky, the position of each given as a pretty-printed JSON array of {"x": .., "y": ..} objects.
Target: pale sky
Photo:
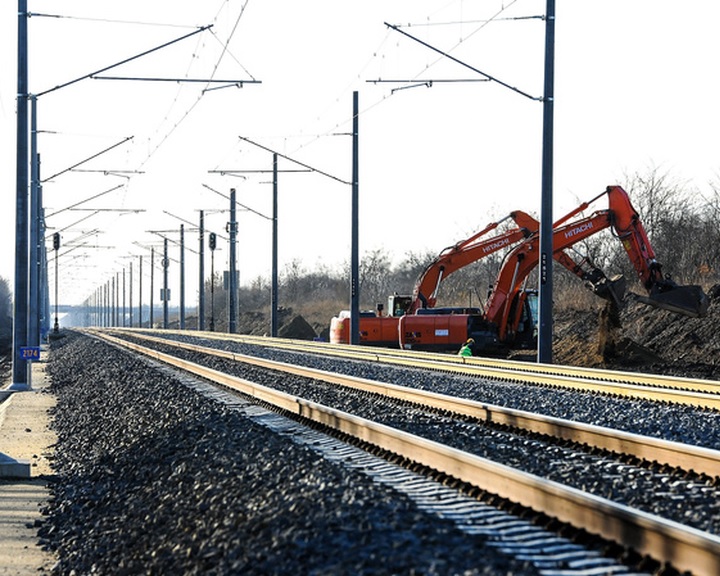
[{"x": 635, "y": 88}]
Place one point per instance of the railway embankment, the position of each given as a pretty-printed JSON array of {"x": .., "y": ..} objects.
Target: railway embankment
[{"x": 152, "y": 476}]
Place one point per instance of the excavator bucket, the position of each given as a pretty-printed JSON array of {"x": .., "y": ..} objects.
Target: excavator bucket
[
  {"x": 686, "y": 300},
  {"x": 611, "y": 289}
]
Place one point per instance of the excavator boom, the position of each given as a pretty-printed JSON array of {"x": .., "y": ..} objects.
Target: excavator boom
[
  {"x": 466, "y": 252},
  {"x": 622, "y": 217}
]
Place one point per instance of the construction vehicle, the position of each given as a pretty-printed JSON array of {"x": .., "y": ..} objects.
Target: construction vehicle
[
  {"x": 509, "y": 317},
  {"x": 380, "y": 328}
]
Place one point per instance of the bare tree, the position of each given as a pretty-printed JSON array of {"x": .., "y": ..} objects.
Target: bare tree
[
  {"x": 256, "y": 295},
  {"x": 404, "y": 276},
  {"x": 290, "y": 279},
  {"x": 374, "y": 277},
  {"x": 658, "y": 198},
  {"x": 709, "y": 236}
]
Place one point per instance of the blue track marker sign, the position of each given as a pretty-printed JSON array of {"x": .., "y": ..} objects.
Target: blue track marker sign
[{"x": 30, "y": 352}]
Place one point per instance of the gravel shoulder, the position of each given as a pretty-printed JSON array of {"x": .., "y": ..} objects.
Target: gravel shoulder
[{"x": 25, "y": 435}]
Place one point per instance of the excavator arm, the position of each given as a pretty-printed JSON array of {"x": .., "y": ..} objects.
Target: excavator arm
[
  {"x": 663, "y": 292},
  {"x": 622, "y": 217},
  {"x": 466, "y": 252},
  {"x": 611, "y": 289}
]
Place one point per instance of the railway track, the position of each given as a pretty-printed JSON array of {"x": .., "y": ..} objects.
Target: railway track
[
  {"x": 656, "y": 387},
  {"x": 665, "y": 540},
  {"x": 673, "y": 454}
]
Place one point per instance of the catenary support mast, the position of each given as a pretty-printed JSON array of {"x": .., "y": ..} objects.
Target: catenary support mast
[
  {"x": 545, "y": 327},
  {"x": 20, "y": 312}
]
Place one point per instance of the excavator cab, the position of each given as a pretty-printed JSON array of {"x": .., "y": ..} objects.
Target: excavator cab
[
  {"x": 398, "y": 304},
  {"x": 524, "y": 312}
]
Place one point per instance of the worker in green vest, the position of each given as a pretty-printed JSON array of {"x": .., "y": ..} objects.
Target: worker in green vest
[{"x": 466, "y": 349}]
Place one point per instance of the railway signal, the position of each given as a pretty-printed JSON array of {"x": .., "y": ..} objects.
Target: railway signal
[
  {"x": 212, "y": 241},
  {"x": 56, "y": 247}
]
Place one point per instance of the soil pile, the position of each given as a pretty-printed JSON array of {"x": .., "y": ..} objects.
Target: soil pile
[
  {"x": 290, "y": 324},
  {"x": 646, "y": 340}
]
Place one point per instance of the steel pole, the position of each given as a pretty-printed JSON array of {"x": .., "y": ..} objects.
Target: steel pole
[
  {"x": 232, "y": 281},
  {"x": 182, "y": 276},
  {"x": 56, "y": 329},
  {"x": 45, "y": 279},
  {"x": 152, "y": 287},
  {"x": 274, "y": 280},
  {"x": 545, "y": 327},
  {"x": 166, "y": 265},
  {"x": 124, "y": 310},
  {"x": 201, "y": 293},
  {"x": 130, "y": 302},
  {"x": 140, "y": 294},
  {"x": 20, "y": 312},
  {"x": 212, "y": 291},
  {"x": 355, "y": 258},
  {"x": 34, "y": 272},
  {"x": 115, "y": 300}
]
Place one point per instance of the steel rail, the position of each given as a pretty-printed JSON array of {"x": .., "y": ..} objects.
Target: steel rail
[
  {"x": 465, "y": 365},
  {"x": 684, "y": 456},
  {"x": 686, "y": 549},
  {"x": 567, "y": 379}
]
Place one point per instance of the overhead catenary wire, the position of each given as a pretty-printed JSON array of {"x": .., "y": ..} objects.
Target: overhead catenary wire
[
  {"x": 86, "y": 160},
  {"x": 238, "y": 203},
  {"x": 85, "y": 200},
  {"x": 465, "y": 38},
  {"x": 108, "y": 20},
  {"x": 484, "y": 21},
  {"x": 323, "y": 173},
  {"x": 125, "y": 61},
  {"x": 100, "y": 71},
  {"x": 69, "y": 226},
  {"x": 194, "y": 104},
  {"x": 178, "y": 80},
  {"x": 373, "y": 104},
  {"x": 165, "y": 137},
  {"x": 466, "y": 65},
  {"x": 171, "y": 124}
]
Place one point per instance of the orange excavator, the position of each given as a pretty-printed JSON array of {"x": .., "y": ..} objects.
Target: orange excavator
[
  {"x": 381, "y": 328},
  {"x": 509, "y": 317}
]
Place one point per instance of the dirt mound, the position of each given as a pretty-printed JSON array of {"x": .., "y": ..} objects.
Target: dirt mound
[
  {"x": 297, "y": 328},
  {"x": 647, "y": 339},
  {"x": 290, "y": 324}
]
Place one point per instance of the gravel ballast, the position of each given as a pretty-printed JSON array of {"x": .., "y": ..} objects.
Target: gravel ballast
[
  {"x": 665, "y": 493},
  {"x": 153, "y": 477},
  {"x": 673, "y": 422}
]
